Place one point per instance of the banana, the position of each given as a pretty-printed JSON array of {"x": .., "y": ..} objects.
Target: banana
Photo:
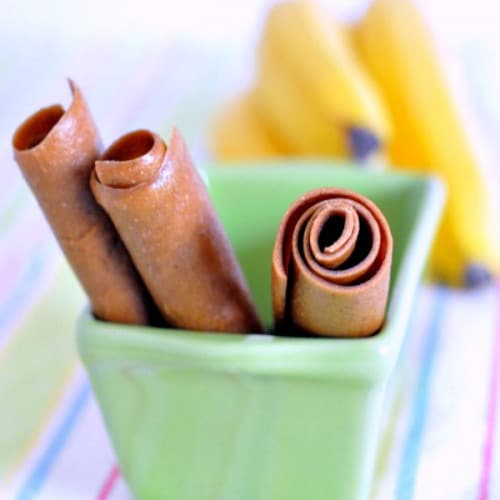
[
  {"x": 393, "y": 41},
  {"x": 299, "y": 121},
  {"x": 312, "y": 88},
  {"x": 240, "y": 133}
]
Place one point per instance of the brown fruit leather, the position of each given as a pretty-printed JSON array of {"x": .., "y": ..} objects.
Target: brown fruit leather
[
  {"x": 56, "y": 151},
  {"x": 161, "y": 209},
  {"x": 331, "y": 265}
]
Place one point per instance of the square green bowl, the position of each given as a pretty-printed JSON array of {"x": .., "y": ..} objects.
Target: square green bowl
[{"x": 251, "y": 417}]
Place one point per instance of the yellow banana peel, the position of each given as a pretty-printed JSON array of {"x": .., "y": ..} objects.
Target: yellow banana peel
[
  {"x": 429, "y": 135},
  {"x": 240, "y": 133},
  {"x": 312, "y": 96},
  {"x": 301, "y": 123}
]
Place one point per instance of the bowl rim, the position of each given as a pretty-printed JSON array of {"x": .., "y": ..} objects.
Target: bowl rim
[{"x": 368, "y": 359}]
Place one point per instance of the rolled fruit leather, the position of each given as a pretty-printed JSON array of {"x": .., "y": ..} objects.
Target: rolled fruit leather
[
  {"x": 331, "y": 266},
  {"x": 56, "y": 151},
  {"x": 159, "y": 204}
]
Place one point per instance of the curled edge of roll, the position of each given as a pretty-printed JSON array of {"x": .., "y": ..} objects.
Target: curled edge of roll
[{"x": 346, "y": 297}]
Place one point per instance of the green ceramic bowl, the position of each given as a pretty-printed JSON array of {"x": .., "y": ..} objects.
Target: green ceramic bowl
[{"x": 203, "y": 416}]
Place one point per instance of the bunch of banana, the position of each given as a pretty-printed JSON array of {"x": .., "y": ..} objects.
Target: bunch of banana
[
  {"x": 311, "y": 96},
  {"x": 429, "y": 135},
  {"x": 379, "y": 87}
]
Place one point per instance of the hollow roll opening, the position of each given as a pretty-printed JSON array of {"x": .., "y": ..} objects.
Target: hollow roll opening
[
  {"x": 36, "y": 128},
  {"x": 363, "y": 246},
  {"x": 130, "y": 146},
  {"x": 331, "y": 231}
]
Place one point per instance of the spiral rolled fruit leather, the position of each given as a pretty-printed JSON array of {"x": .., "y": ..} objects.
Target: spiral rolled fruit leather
[
  {"x": 159, "y": 204},
  {"x": 56, "y": 150},
  {"x": 331, "y": 266}
]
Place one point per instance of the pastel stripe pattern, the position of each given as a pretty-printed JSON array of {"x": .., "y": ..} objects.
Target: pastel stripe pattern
[
  {"x": 413, "y": 443},
  {"x": 14, "y": 303},
  {"x": 492, "y": 413},
  {"x": 107, "y": 487},
  {"x": 48, "y": 410},
  {"x": 42, "y": 469}
]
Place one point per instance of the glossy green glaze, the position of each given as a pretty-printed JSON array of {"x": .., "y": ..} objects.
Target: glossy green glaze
[{"x": 203, "y": 416}]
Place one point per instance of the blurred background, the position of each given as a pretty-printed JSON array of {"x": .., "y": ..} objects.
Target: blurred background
[
  {"x": 215, "y": 41},
  {"x": 156, "y": 64}
]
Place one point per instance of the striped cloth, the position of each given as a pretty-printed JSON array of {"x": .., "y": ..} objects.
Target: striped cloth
[{"x": 441, "y": 438}]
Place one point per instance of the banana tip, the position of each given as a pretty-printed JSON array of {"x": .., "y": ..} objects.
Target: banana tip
[
  {"x": 363, "y": 143},
  {"x": 477, "y": 275}
]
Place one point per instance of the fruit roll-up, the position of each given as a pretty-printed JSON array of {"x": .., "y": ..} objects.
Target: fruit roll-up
[
  {"x": 162, "y": 211},
  {"x": 56, "y": 151},
  {"x": 331, "y": 266}
]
